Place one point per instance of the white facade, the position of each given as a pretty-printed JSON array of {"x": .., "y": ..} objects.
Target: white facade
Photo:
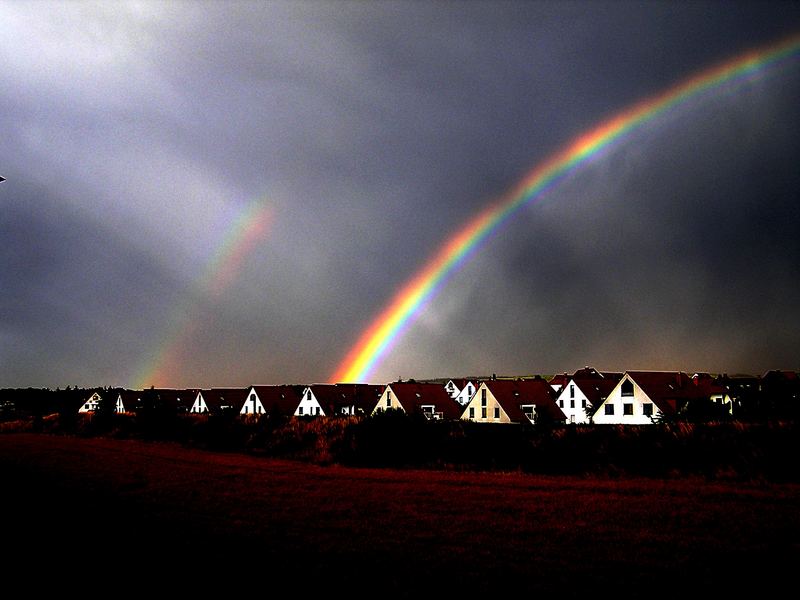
[
  {"x": 387, "y": 400},
  {"x": 484, "y": 408},
  {"x": 199, "y": 405},
  {"x": 627, "y": 404},
  {"x": 466, "y": 394},
  {"x": 91, "y": 405},
  {"x": 252, "y": 404},
  {"x": 459, "y": 394},
  {"x": 309, "y": 405},
  {"x": 573, "y": 402}
]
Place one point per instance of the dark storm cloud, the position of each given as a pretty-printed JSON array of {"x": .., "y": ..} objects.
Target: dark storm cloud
[{"x": 374, "y": 130}]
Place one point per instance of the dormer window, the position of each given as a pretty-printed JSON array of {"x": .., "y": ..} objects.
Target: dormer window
[{"x": 626, "y": 389}]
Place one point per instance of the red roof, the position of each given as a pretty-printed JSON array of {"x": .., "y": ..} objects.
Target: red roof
[
  {"x": 219, "y": 398},
  {"x": 669, "y": 390},
  {"x": 278, "y": 399},
  {"x": 413, "y": 396},
  {"x": 363, "y": 396},
  {"x": 513, "y": 394},
  {"x": 596, "y": 389}
]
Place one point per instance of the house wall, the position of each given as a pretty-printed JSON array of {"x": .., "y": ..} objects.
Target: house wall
[
  {"x": 465, "y": 395},
  {"x": 387, "y": 400},
  {"x": 617, "y": 400},
  {"x": 199, "y": 405},
  {"x": 309, "y": 405},
  {"x": 91, "y": 405},
  {"x": 452, "y": 389},
  {"x": 572, "y": 401},
  {"x": 252, "y": 405},
  {"x": 477, "y": 406}
]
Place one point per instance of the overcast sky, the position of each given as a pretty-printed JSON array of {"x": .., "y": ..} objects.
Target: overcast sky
[{"x": 134, "y": 135}]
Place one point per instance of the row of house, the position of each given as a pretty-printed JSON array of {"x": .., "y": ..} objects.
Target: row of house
[{"x": 586, "y": 396}]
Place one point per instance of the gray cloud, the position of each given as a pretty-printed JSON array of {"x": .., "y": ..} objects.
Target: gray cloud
[{"x": 136, "y": 133}]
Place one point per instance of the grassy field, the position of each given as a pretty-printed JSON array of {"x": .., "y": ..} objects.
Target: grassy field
[{"x": 100, "y": 516}]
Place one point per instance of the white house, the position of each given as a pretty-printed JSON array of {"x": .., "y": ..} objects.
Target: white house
[
  {"x": 91, "y": 404},
  {"x": 309, "y": 404},
  {"x": 428, "y": 399},
  {"x": 513, "y": 401},
  {"x": 585, "y": 390},
  {"x": 127, "y": 401},
  {"x": 271, "y": 399},
  {"x": 199, "y": 406},
  {"x": 252, "y": 404},
  {"x": 641, "y": 397},
  {"x": 460, "y": 390}
]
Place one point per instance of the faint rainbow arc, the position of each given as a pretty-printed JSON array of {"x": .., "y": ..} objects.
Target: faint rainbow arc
[
  {"x": 243, "y": 235},
  {"x": 392, "y": 321}
]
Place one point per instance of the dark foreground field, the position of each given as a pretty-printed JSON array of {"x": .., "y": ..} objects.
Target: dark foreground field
[{"x": 107, "y": 516}]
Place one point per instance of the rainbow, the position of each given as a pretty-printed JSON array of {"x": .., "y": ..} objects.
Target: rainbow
[
  {"x": 406, "y": 304},
  {"x": 245, "y": 232}
]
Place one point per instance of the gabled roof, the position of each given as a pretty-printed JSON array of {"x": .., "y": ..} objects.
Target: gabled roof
[
  {"x": 669, "y": 390},
  {"x": 130, "y": 400},
  {"x": 709, "y": 386},
  {"x": 334, "y": 397},
  {"x": 278, "y": 399},
  {"x": 363, "y": 396},
  {"x": 412, "y": 396},
  {"x": 218, "y": 398},
  {"x": 459, "y": 382},
  {"x": 597, "y": 389},
  {"x": 511, "y": 394},
  {"x": 560, "y": 379}
]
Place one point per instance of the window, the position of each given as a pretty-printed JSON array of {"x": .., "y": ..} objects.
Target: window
[
  {"x": 627, "y": 408},
  {"x": 469, "y": 390},
  {"x": 300, "y": 411},
  {"x": 560, "y": 404},
  {"x": 572, "y": 403},
  {"x": 583, "y": 403},
  {"x": 388, "y": 398},
  {"x": 483, "y": 412},
  {"x": 483, "y": 397},
  {"x": 471, "y": 412},
  {"x": 647, "y": 409},
  {"x": 627, "y": 388},
  {"x": 609, "y": 409},
  {"x": 496, "y": 412},
  {"x": 572, "y": 390}
]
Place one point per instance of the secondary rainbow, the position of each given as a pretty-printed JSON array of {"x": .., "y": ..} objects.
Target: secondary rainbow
[
  {"x": 398, "y": 315},
  {"x": 247, "y": 229}
]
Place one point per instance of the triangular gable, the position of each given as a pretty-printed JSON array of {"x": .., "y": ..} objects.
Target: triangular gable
[
  {"x": 199, "y": 406},
  {"x": 92, "y": 403}
]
